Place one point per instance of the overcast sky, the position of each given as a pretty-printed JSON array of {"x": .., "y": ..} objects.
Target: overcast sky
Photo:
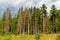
[{"x": 14, "y": 5}]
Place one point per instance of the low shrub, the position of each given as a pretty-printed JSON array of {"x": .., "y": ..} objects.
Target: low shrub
[
  {"x": 58, "y": 37},
  {"x": 37, "y": 36}
]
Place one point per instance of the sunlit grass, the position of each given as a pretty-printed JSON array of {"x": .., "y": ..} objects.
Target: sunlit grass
[{"x": 28, "y": 37}]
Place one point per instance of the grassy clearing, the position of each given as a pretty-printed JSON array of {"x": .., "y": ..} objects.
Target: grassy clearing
[
  {"x": 49, "y": 37},
  {"x": 28, "y": 37}
]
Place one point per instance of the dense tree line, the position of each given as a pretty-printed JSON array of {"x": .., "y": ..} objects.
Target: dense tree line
[{"x": 31, "y": 21}]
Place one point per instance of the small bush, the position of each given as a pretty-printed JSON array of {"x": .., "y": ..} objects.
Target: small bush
[
  {"x": 58, "y": 37},
  {"x": 37, "y": 36}
]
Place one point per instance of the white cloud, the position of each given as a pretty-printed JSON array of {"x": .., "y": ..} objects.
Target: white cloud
[
  {"x": 49, "y": 3},
  {"x": 28, "y": 3},
  {"x": 13, "y": 3},
  {"x": 57, "y": 4}
]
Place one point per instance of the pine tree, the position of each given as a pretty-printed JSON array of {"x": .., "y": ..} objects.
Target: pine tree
[
  {"x": 7, "y": 20},
  {"x": 44, "y": 17},
  {"x": 27, "y": 18},
  {"x": 53, "y": 17},
  {"x": 19, "y": 21}
]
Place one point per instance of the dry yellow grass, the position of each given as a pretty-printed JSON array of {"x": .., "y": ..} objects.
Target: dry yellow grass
[
  {"x": 49, "y": 37},
  {"x": 28, "y": 37}
]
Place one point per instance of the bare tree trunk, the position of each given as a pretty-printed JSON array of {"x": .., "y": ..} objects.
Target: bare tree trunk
[
  {"x": 3, "y": 22},
  {"x": 53, "y": 24},
  {"x": 28, "y": 23}
]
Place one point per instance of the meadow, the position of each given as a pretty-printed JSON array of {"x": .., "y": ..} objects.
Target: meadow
[{"x": 30, "y": 37}]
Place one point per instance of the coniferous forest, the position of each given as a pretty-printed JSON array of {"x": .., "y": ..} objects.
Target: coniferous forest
[
  {"x": 31, "y": 21},
  {"x": 31, "y": 24}
]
